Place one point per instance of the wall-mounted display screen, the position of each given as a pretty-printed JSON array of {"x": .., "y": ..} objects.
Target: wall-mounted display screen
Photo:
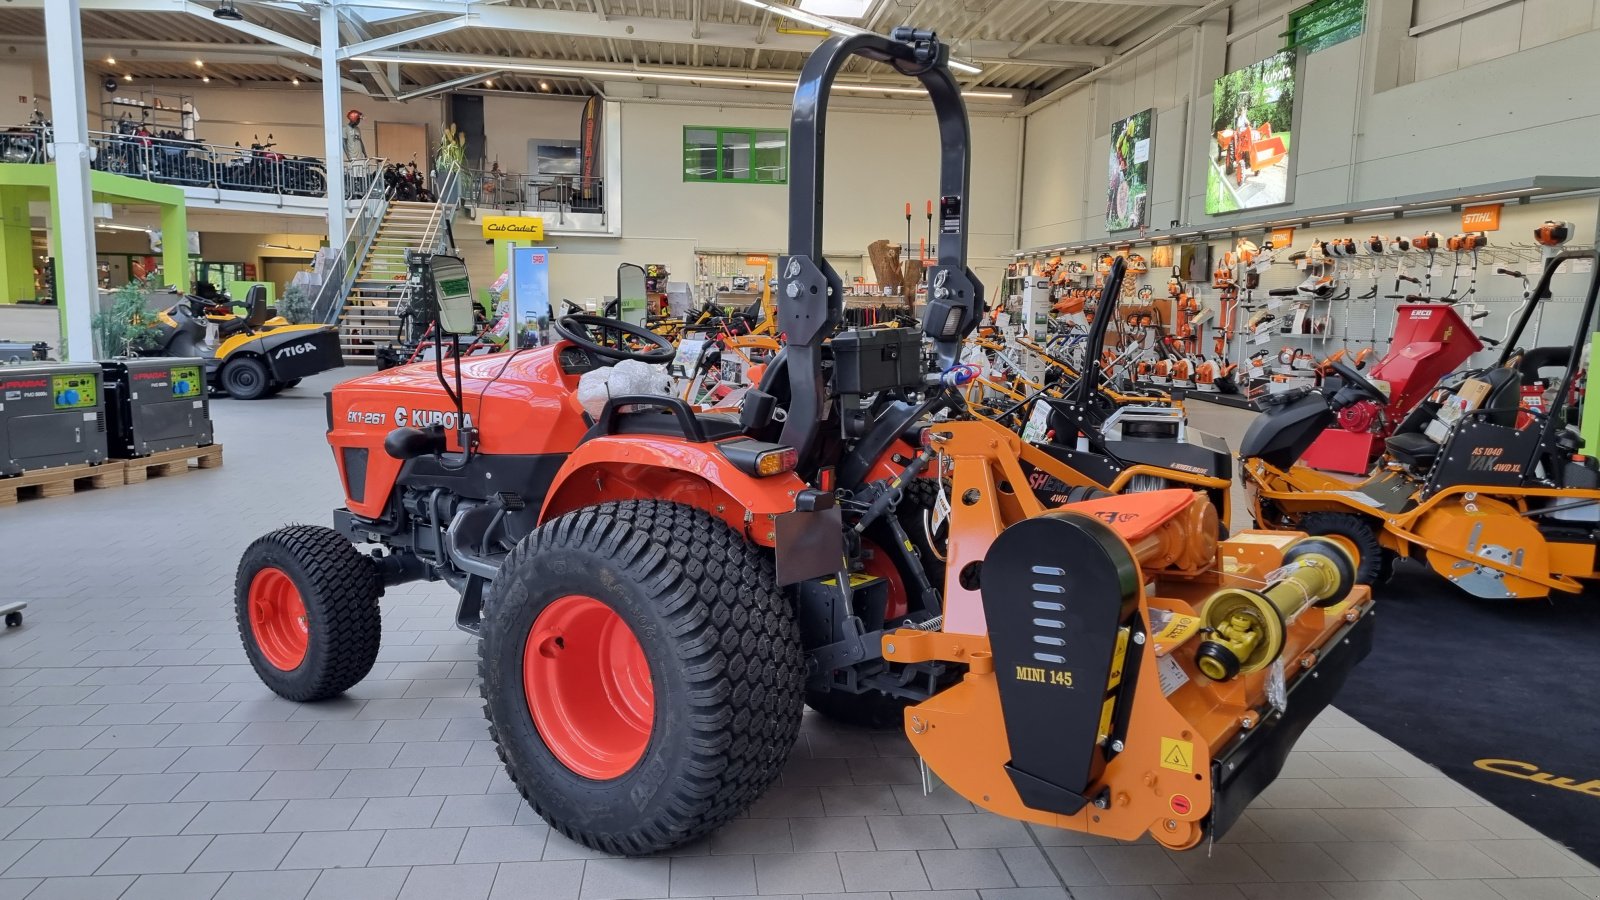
[
  {"x": 1128, "y": 175},
  {"x": 1252, "y": 124}
]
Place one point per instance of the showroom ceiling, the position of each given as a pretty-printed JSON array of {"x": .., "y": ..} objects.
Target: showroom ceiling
[{"x": 1020, "y": 46}]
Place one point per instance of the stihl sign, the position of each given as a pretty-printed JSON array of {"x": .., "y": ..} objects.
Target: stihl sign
[{"x": 1480, "y": 218}]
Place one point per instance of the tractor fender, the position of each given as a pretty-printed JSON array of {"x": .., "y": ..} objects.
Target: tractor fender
[{"x": 634, "y": 467}]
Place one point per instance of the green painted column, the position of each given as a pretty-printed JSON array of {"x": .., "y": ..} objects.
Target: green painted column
[
  {"x": 1590, "y": 426},
  {"x": 502, "y": 261},
  {"x": 175, "y": 245},
  {"x": 16, "y": 246}
]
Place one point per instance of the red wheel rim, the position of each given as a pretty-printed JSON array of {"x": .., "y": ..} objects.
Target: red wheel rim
[
  {"x": 278, "y": 619},
  {"x": 588, "y": 687}
]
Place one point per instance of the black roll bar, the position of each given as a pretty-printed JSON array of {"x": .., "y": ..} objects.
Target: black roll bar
[
  {"x": 1104, "y": 311},
  {"x": 1581, "y": 336},
  {"x": 1541, "y": 293},
  {"x": 810, "y": 292}
]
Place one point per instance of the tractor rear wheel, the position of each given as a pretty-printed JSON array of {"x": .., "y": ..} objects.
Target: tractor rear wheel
[
  {"x": 641, "y": 673},
  {"x": 1373, "y": 564},
  {"x": 307, "y": 607}
]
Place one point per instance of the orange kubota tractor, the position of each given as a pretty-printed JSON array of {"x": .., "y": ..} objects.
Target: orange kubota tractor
[{"x": 659, "y": 589}]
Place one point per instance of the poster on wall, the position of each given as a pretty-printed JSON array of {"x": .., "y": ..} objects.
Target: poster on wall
[
  {"x": 1128, "y": 177},
  {"x": 530, "y": 294},
  {"x": 1252, "y": 124}
]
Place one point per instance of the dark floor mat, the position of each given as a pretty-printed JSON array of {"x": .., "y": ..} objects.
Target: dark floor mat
[{"x": 1455, "y": 680}]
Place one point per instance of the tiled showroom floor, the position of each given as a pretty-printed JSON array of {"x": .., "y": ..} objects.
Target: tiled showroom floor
[{"x": 141, "y": 758}]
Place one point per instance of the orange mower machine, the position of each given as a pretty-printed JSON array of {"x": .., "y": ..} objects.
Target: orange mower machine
[
  {"x": 1494, "y": 495},
  {"x": 659, "y": 589}
]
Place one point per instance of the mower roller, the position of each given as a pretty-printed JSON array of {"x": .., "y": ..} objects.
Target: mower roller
[{"x": 658, "y": 590}]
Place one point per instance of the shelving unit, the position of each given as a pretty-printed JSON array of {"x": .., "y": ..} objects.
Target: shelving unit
[{"x": 160, "y": 110}]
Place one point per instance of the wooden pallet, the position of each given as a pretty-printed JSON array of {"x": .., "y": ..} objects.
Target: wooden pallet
[
  {"x": 172, "y": 462},
  {"x": 60, "y": 482}
]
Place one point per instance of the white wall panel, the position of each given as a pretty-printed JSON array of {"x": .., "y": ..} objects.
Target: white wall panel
[{"x": 1517, "y": 113}]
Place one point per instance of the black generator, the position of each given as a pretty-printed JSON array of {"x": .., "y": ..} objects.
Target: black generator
[
  {"x": 51, "y": 414},
  {"x": 156, "y": 404},
  {"x": 23, "y": 351}
]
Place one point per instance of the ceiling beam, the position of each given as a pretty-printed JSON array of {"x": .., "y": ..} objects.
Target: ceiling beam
[
  {"x": 630, "y": 28},
  {"x": 353, "y": 26},
  {"x": 463, "y": 81},
  {"x": 183, "y": 6},
  {"x": 421, "y": 32},
  {"x": 349, "y": 84},
  {"x": 1039, "y": 54},
  {"x": 1167, "y": 4}
]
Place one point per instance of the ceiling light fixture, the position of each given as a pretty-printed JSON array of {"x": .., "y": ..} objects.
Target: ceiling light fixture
[
  {"x": 544, "y": 85},
  {"x": 842, "y": 9},
  {"x": 739, "y": 81},
  {"x": 199, "y": 64},
  {"x": 800, "y": 15},
  {"x": 295, "y": 82},
  {"x": 227, "y": 11},
  {"x": 127, "y": 78},
  {"x": 205, "y": 79},
  {"x": 111, "y": 60}
]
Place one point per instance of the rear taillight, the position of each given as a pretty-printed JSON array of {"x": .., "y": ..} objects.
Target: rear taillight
[
  {"x": 776, "y": 462},
  {"x": 760, "y": 458}
]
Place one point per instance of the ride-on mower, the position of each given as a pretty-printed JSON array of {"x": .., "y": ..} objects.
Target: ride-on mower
[
  {"x": 1493, "y": 494},
  {"x": 657, "y": 591},
  {"x": 247, "y": 357}
]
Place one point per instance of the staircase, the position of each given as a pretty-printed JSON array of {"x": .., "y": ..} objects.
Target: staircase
[{"x": 379, "y": 295}]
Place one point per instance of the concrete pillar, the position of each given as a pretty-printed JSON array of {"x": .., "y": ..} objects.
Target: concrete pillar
[
  {"x": 333, "y": 127},
  {"x": 16, "y": 246},
  {"x": 74, "y": 226}
]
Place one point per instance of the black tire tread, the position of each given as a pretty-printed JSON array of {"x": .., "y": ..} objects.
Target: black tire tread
[
  {"x": 347, "y": 587},
  {"x": 1370, "y": 567},
  {"x": 738, "y": 644},
  {"x": 265, "y": 378}
]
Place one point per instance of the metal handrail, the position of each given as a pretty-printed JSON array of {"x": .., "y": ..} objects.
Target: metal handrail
[
  {"x": 562, "y": 194},
  {"x": 173, "y": 160},
  {"x": 345, "y": 264}
]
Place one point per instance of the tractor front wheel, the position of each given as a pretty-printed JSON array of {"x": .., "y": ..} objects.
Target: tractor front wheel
[
  {"x": 641, "y": 674},
  {"x": 1373, "y": 563},
  {"x": 307, "y": 606}
]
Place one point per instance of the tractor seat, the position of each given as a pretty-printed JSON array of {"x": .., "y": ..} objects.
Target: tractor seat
[
  {"x": 230, "y": 327},
  {"x": 255, "y": 302},
  {"x": 1504, "y": 398},
  {"x": 1414, "y": 449}
]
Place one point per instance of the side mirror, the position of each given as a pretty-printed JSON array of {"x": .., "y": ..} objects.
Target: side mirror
[{"x": 452, "y": 290}]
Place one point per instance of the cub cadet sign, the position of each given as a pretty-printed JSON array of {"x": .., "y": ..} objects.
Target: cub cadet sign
[{"x": 527, "y": 228}]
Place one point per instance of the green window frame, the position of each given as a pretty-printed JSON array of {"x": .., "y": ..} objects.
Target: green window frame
[
  {"x": 1324, "y": 23},
  {"x": 735, "y": 155}
]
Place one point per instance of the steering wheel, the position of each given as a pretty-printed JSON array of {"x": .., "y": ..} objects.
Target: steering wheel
[
  {"x": 617, "y": 340},
  {"x": 1353, "y": 378}
]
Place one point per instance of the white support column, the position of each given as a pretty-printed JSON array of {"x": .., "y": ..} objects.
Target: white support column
[
  {"x": 333, "y": 126},
  {"x": 75, "y": 267}
]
